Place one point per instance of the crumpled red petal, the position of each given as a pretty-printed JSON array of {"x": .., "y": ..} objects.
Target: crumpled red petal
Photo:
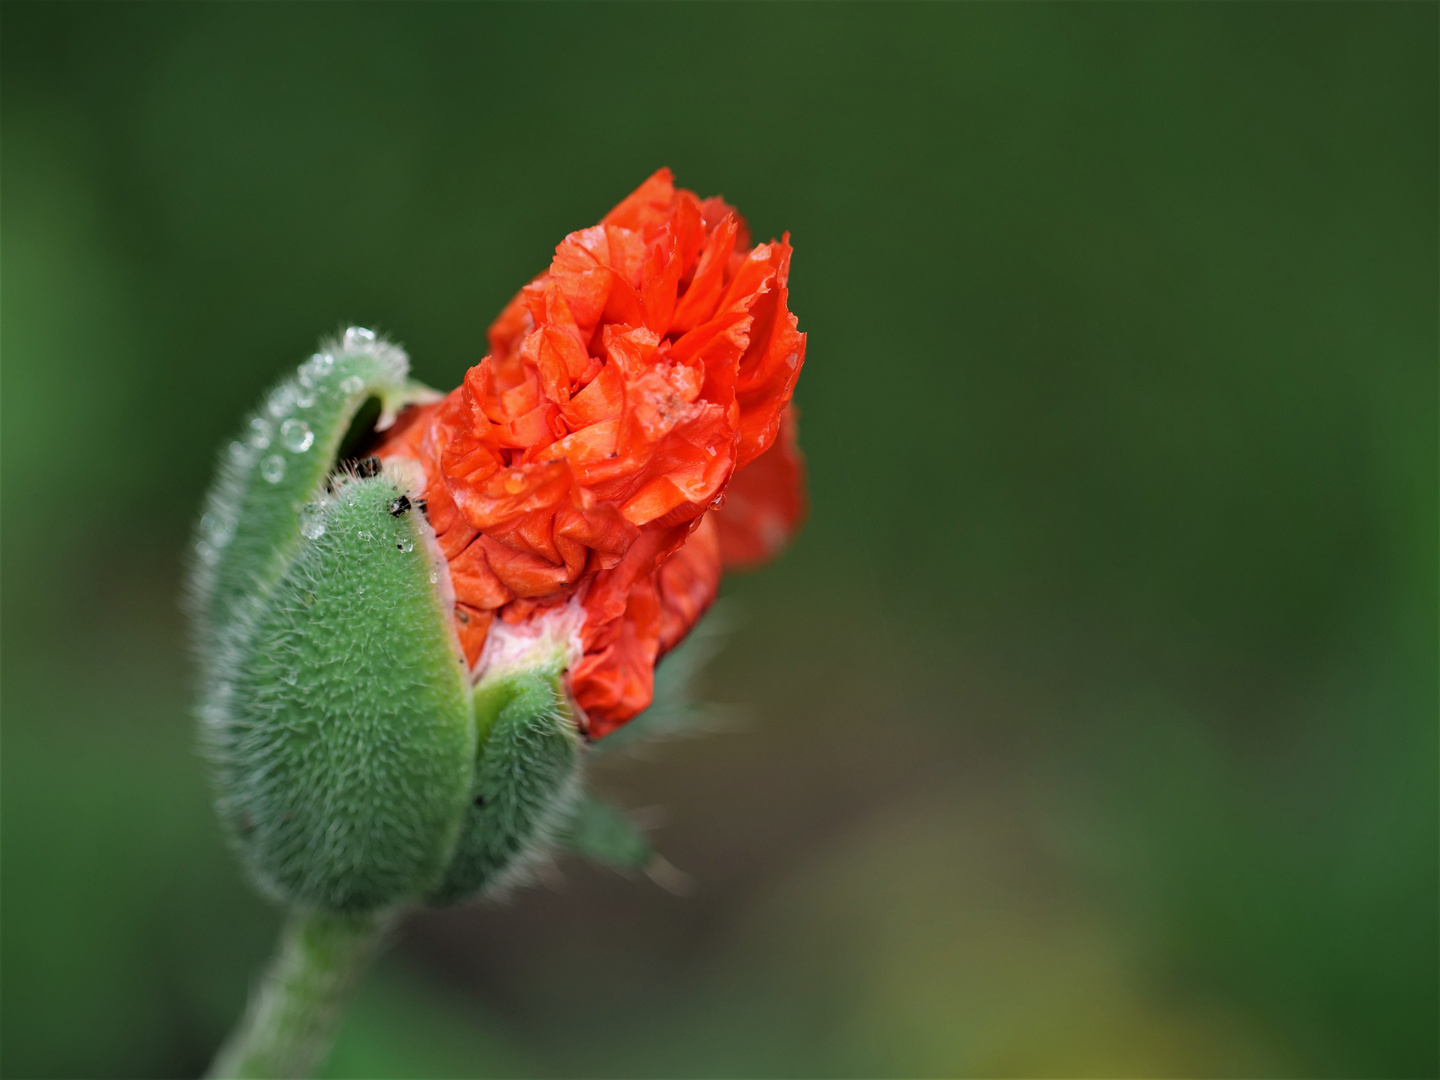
[
  {"x": 764, "y": 502},
  {"x": 643, "y": 379}
]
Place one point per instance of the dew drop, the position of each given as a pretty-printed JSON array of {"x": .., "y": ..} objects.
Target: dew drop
[
  {"x": 405, "y": 543},
  {"x": 515, "y": 483},
  {"x": 364, "y": 535},
  {"x": 208, "y": 555},
  {"x": 239, "y": 452},
  {"x": 434, "y": 577},
  {"x": 312, "y": 525},
  {"x": 353, "y": 384},
  {"x": 296, "y": 435},
  {"x": 305, "y": 399},
  {"x": 282, "y": 400},
  {"x": 357, "y": 337},
  {"x": 317, "y": 366},
  {"x": 273, "y": 468},
  {"x": 259, "y": 433},
  {"x": 360, "y": 590},
  {"x": 218, "y": 527}
]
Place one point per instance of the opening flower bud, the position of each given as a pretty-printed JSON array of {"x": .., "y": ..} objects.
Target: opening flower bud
[{"x": 405, "y": 653}]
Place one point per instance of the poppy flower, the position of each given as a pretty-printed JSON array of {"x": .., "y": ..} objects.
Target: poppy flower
[{"x": 629, "y": 433}]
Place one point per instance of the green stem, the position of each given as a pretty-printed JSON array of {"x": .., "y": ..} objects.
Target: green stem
[{"x": 293, "y": 1013}]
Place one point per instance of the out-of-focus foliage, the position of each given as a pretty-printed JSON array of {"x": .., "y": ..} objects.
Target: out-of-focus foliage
[{"x": 1090, "y": 726}]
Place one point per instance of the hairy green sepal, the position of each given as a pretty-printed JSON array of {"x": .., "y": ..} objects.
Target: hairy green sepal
[
  {"x": 346, "y": 756},
  {"x": 605, "y": 834},
  {"x": 525, "y": 781},
  {"x": 335, "y": 707},
  {"x": 250, "y": 529}
]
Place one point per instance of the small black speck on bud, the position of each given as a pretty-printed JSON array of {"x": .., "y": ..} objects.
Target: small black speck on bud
[
  {"x": 479, "y": 800},
  {"x": 422, "y": 506},
  {"x": 367, "y": 467},
  {"x": 400, "y": 507}
]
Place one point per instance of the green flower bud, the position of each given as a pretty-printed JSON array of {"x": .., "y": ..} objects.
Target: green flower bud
[{"x": 356, "y": 768}]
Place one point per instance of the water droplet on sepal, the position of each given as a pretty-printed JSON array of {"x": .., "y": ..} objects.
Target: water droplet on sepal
[
  {"x": 316, "y": 366},
  {"x": 312, "y": 522},
  {"x": 296, "y": 435},
  {"x": 282, "y": 400},
  {"x": 273, "y": 468},
  {"x": 218, "y": 526},
  {"x": 259, "y": 436}
]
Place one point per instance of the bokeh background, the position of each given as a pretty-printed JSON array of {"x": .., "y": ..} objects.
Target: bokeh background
[{"x": 1090, "y": 727}]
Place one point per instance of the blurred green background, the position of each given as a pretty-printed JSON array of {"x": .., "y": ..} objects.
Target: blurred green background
[{"x": 1090, "y": 727}]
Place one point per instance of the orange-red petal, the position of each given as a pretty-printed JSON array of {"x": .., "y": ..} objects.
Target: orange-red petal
[
  {"x": 640, "y": 380},
  {"x": 764, "y": 503}
]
